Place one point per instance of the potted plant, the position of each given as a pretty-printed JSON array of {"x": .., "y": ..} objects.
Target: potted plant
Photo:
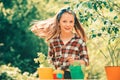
[
  {"x": 45, "y": 67},
  {"x": 113, "y": 58}
]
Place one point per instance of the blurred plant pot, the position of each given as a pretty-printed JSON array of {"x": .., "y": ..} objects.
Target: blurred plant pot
[
  {"x": 113, "y": 72},
  {"x": 45, "y": 73}
]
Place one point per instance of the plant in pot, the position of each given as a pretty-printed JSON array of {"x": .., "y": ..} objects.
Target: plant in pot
[
  {"x": 113, "y": 60},
  {"x": 45, "y": 67}
]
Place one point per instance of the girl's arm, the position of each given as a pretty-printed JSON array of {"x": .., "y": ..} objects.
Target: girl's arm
[
  {"x": 83, "y": 55},
  {"x": 51, "y": 52}
]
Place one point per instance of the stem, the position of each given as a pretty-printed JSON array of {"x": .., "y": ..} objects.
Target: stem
[
  {"x": 103, "y": 53},
  {"x": 111, "y": 55},
  {"x": 113, "y": 49},
  {"x": 117, "y": 61},
  {"x": 117, "y": 54}
]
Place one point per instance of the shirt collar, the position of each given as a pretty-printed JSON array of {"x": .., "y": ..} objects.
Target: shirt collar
[{"x": 74, "y": 37}]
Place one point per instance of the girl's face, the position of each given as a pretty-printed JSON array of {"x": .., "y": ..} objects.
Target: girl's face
[{"x": 66, "y": 22}]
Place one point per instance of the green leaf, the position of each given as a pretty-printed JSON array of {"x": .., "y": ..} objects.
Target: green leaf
[
  {"x": 111, "y": 9},
  {"x": 103, "y": 29},
  {"x": 105, "y": 3},
  {"x": 100, "y": 7},
  {"x": 93, "y": 18},
  {"x": 95, "y": 6},
  {"x": 109, "y": 30},
  {"x": 86, "y": 18},
  {"x": 91, "y": 14},
  {"x": 80, "y": 13},
  {"x": 77, "y": 5},
  {"x": 105, "y": 22},
  {"x": 115, "y": 29},
  {"x": 93, "y": 35},
  {"x": 89, "y": 5},
  {"x": 99, "y": 34},
  {"x": 107, "y": 6},
  {"x": 82, "y": 20},
  {"x": 66, "y": 2},
  {"x": 115, "y": 17}
]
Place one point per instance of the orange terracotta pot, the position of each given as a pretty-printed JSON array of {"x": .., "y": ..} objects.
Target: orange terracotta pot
[
  {"x": 113, "y": 72},
  {"x": 45, "y": 73}
]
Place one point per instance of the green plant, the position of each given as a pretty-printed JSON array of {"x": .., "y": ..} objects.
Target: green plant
[
  {"x": 8, "y": 72},
  {"x": 113, "y": 56},
  {"x": 43, "y": 61},
  {"x": 4, "y": 76},
  {"x": 102, "y": 19},
  {"x": 17, "y": 41}
]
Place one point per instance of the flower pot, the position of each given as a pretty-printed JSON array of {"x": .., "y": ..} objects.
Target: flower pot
[
  {"x": 113, "y": 72},
  {"x": 45, "y": 73}
]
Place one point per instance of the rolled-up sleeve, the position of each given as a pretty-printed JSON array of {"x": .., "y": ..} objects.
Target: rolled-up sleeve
[{"x": 84, "y": 53}]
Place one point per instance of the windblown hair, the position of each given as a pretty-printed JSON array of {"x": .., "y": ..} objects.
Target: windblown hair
[{"x": 52, "y": 29}]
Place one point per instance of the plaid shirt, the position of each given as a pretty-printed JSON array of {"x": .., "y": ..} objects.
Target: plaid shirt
[{"x": 75, "y": 48}]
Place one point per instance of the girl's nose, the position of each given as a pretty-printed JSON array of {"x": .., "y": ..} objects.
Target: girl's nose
[{"x": 68, "y": 24}]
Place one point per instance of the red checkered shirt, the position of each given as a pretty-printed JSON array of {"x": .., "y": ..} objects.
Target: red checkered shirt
[{"x": 75, "y": 48}]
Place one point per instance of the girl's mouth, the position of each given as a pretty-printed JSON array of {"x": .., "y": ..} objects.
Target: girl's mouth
[{"x": 67, "y": 28}]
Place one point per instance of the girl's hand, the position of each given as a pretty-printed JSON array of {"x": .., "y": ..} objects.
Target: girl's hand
[
  {"x": 71, "y": 60},
  {"x": 82, "y": 62}
]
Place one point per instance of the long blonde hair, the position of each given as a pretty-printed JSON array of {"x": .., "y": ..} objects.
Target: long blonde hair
[{"x": 52, "y": 29}]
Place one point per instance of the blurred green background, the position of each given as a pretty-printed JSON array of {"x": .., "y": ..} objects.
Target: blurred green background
[{"x": 19, "y": 46}]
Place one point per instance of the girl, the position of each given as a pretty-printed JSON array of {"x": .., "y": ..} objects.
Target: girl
[{"x": 67, "y": 41}]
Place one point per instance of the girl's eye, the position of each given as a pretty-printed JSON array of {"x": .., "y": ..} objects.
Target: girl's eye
[
  {"x": 71, "y": 21},
  {"x": 64, "y": 21}
]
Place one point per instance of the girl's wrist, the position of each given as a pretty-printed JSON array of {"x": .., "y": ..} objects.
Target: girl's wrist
[{"x": 80, "y": 61}]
